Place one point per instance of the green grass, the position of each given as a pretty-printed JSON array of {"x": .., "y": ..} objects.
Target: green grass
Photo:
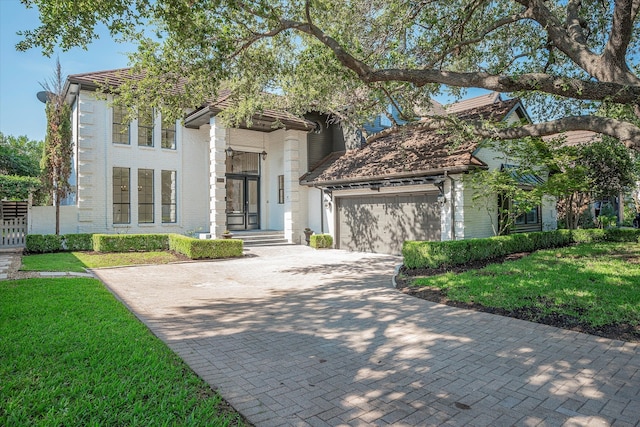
[
  {"x": 71, "y": 354},
  {"x": 78, "y": 261},
  {"x": 598, "y": 283}
]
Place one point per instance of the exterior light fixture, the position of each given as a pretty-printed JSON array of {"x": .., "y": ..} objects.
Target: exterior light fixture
[
  {"x": 264, "y": 155},
  {"x": 229, "y": 152}
]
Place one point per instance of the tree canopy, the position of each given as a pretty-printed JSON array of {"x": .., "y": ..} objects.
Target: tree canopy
[
  {"x": 19, "y": 156},
  {"x": 577, "y": 62}
]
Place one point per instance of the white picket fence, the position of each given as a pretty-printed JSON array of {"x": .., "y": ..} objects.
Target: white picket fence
[{"x": 12, "y": 232}]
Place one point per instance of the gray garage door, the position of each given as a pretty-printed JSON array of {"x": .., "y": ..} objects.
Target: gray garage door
[{"x": 381, "y": 223}]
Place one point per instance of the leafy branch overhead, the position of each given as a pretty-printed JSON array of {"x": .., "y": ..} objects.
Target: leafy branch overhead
[{"x": 574, "y": 61}]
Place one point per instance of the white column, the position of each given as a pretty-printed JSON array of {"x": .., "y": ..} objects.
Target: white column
[
  {"x": 217, "y": 189},
  {"x": 292, "y": 227}
]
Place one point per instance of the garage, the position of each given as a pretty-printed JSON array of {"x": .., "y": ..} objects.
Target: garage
[{"x": 381, "y": 223}]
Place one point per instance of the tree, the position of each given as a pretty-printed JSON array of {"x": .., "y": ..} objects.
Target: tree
[
  {"x": 19, "y": 156},
  {"x": 569, "y": 58},
  {"x": 58, "y": 147}
]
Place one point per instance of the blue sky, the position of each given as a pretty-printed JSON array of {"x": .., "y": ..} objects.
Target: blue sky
[{"x": 22, "y": 72}]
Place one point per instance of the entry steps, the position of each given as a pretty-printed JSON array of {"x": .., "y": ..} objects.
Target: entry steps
[{"x": 261, "y": 237}]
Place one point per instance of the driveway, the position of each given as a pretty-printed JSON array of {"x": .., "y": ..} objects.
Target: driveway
[{"x": 294, "y": 336}]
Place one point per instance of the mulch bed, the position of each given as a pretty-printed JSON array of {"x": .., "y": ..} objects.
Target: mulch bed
[{"x": 623, "y": 332}]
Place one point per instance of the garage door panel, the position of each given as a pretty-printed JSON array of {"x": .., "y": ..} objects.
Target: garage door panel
[{"x": 382, "y": 223}]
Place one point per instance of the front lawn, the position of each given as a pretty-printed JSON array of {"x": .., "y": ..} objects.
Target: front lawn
[
  {"x": 78, "y": 261},
  {"x": 71, "y": 354},
  {"x": 597, "y": 285}
]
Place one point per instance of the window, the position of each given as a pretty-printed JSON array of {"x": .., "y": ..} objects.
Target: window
[
  {"x": 168, "y": 183},
  {"x": 121, "y": 196},
  {"x": 145, "y": 127},
  {"x": 120, "y": 126},
  {"x": 168, "y": 134},
  {"x": 531, "y": 217},
  {"x": 280, "y": 189},
  {"x": 145, "y": 196}
]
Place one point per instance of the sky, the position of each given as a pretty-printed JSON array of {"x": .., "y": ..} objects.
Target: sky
[{"x": 22, "y": 72}]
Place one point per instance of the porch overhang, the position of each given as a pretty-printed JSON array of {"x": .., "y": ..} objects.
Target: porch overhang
[{"x": 267, "y": 121}]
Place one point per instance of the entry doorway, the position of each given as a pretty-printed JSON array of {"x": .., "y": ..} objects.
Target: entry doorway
[{"x": 243, "y": 191}]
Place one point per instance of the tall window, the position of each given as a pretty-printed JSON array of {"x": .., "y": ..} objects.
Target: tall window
[
  {"x": 168, "y": 196},
  {"x": 145, "y": 127},
  {"x": 121, "y": 196},
  {"x": 168, "y": 134},
  {"x": 280, "y": 189},
  {"x": 120, "y": 127},
  {"x": 145, "y": 196}
]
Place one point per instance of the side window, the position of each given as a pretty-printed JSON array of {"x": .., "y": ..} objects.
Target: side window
[
  {"x": 169, "y": 203},
  {"x": 145, "y": 127},
  {"x": 121, "y": 196},
  {"x": 120, "y": 126},
  {"x": 168, "y": 134},
  {"x": 145, "y": 196}
]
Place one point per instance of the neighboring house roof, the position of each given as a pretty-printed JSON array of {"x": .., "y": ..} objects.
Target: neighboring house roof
[
  {"x": 267, "y": 120},
  {"x": 408, "y": 151},
  {"x": 478, "y": 101},
  {"x": 575, "y": 137}
]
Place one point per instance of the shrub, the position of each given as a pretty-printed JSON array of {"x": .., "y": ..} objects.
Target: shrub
[
  {"x": 78, "y": 242},
  {"x": 204, "y": 248},
  {"x": 320, "y": 241},
  {"x": 130, "y": 242},
  {"x": 43, "y": 243},
  {"x": 456, "y": 252}
]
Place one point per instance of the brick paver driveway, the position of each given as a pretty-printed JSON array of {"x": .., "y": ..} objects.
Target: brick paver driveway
[{"x": 293, "y": 336}]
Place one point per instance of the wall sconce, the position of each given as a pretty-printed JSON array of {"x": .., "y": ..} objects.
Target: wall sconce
[
  {"x": 264, "y": 155},
  {"x": 123, "y": 188},
  {"x": 229, "y": 152},
  {"x": 441, "y": 199}
]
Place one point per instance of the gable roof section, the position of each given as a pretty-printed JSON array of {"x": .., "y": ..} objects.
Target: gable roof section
[
  {"x": 575, "y": 137},
  {"x": 267, "y": 120},
  {"x": 475, "y": 102},
  {"x": 414, "y": 153}
]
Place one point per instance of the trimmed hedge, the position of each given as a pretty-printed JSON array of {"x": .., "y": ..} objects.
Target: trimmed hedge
[
  {"x": 457, "y": 252},
  {"x": 205, "y": 249},
  {"x": 43, "y": 243},
  {"x": 320, "y": 241},
  {"x": 130, "y": 242}
]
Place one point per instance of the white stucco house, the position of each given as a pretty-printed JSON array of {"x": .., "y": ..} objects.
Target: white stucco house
[{"x": 281, "y": 173}]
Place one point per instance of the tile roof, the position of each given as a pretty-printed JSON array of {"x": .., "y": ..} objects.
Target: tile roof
[
  {"x": 575, "y": 137},
  {"x": 266, "y": 120},
  {"x": 416, "y": 152},
  {"x": 475, "y": 102},
  {"x": 410, "y": 150}
]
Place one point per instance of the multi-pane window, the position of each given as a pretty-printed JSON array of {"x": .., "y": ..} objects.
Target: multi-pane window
[
  {"x": 145, "y": 196},
  {"x": 145, "y": 127},
  {"x": 121, "y": 196},
  {"x": 168, "y": 134},
  {"x": 280, "y": 189},
  {"x": 120, "y": 126},
  {"x": 169, "y": 203},
  {"x": 531, "y": 217}
]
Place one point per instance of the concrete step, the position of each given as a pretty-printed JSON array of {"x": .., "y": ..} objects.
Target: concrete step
[{"x": 261, "y": 238}]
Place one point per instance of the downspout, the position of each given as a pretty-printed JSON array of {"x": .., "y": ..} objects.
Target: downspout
[
  {"x": 321, "y": 210},
  {"x": 453, "y": 205}
]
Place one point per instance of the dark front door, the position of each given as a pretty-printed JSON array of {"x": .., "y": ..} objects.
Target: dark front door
[{"x": 243, "y": 202}]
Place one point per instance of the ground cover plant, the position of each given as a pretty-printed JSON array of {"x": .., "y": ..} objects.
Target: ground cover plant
[
  {"x": 78, "y": 261},
  {"x": 592, "y": 287},
  {"x": 71, "y": 354}
]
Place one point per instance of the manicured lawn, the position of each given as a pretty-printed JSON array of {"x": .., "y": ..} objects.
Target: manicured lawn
[
  {"x": 78, "y": 261},
  {"x": 598, "y": 283},
  {"x": 71, "y": 354}
]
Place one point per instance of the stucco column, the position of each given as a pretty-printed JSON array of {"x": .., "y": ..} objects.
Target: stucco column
[
  {"x": 217, "y": 190},
  {"x": 292, "y": 227}
]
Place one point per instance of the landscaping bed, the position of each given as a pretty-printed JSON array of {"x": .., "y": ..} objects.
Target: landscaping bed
[{"x": 589, "y": 288}]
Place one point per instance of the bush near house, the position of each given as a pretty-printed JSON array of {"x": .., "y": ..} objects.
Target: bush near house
[
  {"x": 190, "y": 247},
  {"x": 205, "y": 249},
  {"x": 320, "y": 241},
  {"x": 130, "y": 242},
  {"x": 458, "y": 252}
]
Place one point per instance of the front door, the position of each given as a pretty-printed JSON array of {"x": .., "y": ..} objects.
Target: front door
[{"x": 243, "y": 202}]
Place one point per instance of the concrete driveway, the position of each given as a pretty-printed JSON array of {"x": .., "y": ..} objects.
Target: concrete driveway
[{"x": 295, "y": 336}]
